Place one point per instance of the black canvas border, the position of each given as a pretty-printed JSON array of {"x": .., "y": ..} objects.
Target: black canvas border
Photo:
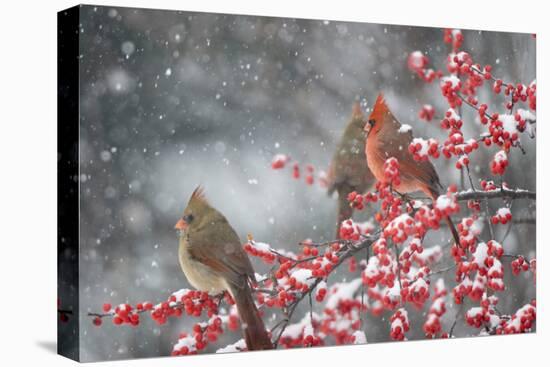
[{"x": 68, "y": 320}]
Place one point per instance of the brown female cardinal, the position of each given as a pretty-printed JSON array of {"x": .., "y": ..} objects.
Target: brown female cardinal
[
  {"x": 348, "y": 170},
  {"x": 387, "y": 138},
  {"x": 213, "y": 260}
]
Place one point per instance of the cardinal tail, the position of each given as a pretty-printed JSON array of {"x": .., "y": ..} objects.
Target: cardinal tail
[
  {"x": 453, "y": 230},
  {"x": 345, "y": 211},
  {"x": 434, "y": 193},
  {"x": 252, "y": 325}
]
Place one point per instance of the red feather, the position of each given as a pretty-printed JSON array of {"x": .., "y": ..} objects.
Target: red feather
[{"x": 380, "y": 109}]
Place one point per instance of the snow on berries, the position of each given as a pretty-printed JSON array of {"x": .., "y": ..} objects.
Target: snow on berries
[
  {"x": 432, "y": 326},
  {"x": 499, "y": 163},
  {"x": 302, "y": 333},
  {"x": 427, "y": 112},
  {"x": 522, "y": 321},
  {"x": 502, "y": 216},
  {"x": 422, "y": 149},
  {"x": 351, "y": 230},
  {"x": 279, "y": 161},
  {"x": 400, "y": 228},
  {"x": 203, "y": 333},
  {"x": 418, "y": 63},
  {"x": 391, "y": 171},
  {"x": 260, "y": 249},
  {"x": 450, "y": 87},
  {"x": 399, "y": 324},
  {"x": 519, "y": 264},
  {"x": 453, "y": 37}
]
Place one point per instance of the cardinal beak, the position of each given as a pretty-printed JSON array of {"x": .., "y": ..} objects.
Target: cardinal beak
[{"x": 181, "y": 225}]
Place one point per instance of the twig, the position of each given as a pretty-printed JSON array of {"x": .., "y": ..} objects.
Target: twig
[
  {"x": 488, "y": 216},
  {"x": 343, "y": 254},
  {"x": 458, "y": 312}
]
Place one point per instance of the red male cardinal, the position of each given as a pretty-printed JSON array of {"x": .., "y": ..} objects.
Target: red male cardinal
[
  {"x": 348, "y": 170},
  {"x": 386, "y": 138},
  {"x": 213, "y": 260}
]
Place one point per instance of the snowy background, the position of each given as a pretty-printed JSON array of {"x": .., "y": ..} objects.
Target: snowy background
[{"x": 173, "y": 99}]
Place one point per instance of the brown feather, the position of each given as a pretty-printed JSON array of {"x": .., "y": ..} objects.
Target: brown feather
[
  {"x": 198, "y": 194},
  {"x": 213, "y": 259},
  {"x": 255, "y": 335},
  {"x": 348, "y": 170}
]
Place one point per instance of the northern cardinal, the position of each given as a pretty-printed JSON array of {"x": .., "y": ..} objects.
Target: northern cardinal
[
  {"x": 386, "y": 138},
  {"x": 213, "y": 260},
  {"x": 348, "y": 170}
]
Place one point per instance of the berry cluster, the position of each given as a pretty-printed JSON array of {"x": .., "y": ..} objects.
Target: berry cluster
[
  {"x": 520, "y": 264},
  {"x": 358, "y": 201},
  {"x": 418, "y": 63},
  {"x": 499, "y": 163},
  {"x": 380, "y": 268},
  {"x": 391, "y": 172},
  {"x": 261, "y": 250},
  {"x": 351, "y": 230},
  {"x": 454, "y": 37},
  {"x": 502, "y": 216},
  {"x": 203, "y": 333},
  {"x": 522, "y": 321},
  {"x": 432, "y": 325},
  {"x": 399, "y": 229},
  {"x": 399, "y": 324},
  {"x": 427, "y": 112},
  {"x": 422, "y": 149},
  {"x": 302, "y": 333},
  {"x": 279, "y": 161}
]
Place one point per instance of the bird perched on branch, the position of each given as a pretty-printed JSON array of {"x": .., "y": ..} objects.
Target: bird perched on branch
[
  {"x": 213, "y": 260},
  {"x": 386, "y": 138},
  {"x": 348, "y": 170}
]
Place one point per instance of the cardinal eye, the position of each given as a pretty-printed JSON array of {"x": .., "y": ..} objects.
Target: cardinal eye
[
  {"x": 371, "y": 122},
  {"x": 188, "y": 218}
]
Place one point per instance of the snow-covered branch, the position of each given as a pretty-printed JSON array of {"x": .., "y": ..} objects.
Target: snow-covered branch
[{"x": 502, "y": 193}]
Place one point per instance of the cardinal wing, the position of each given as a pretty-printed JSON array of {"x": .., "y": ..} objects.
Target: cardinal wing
[
  {"x": 221, "y": 250},
  {"x": 409, "y": 168}
]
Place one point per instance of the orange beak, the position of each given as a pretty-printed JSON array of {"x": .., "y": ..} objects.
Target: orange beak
[{"x": 181, "y": 225}]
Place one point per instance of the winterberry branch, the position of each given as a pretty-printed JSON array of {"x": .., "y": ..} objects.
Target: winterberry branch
[
  {"x": 496, "y": 194},
  {"x": 343, "y": 254}
]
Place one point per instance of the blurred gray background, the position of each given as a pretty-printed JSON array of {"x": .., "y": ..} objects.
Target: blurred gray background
[{"x": 172, "y": 99}]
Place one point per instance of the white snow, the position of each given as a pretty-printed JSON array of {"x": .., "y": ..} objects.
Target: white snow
[
  {"x": 453, "y": 79},
  {"x": 235, "y": 347},
  {"x": 480, "y": 254},
  {"x": 302, "y": 275},
  {"x": 526, "y": 115},
  {"x": 293, "y": 331},
  {"x": 189, "y": 342},
  {"x": 509, "y": 123},
  {"x": 359, "y": 337},
  {"x": 503, "y": 212},
  {"x": 342, "y": 291},
  {"x": 500, "y": 156},
  {"x": 261, "y": 246},
  {"x": 443, "y": 202},
  {"x": 405, "y": 128},
  {"x": 424, "y": 146},
  {"x": 416, "y": 59},
  {"x": 453, "y": 114}
]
